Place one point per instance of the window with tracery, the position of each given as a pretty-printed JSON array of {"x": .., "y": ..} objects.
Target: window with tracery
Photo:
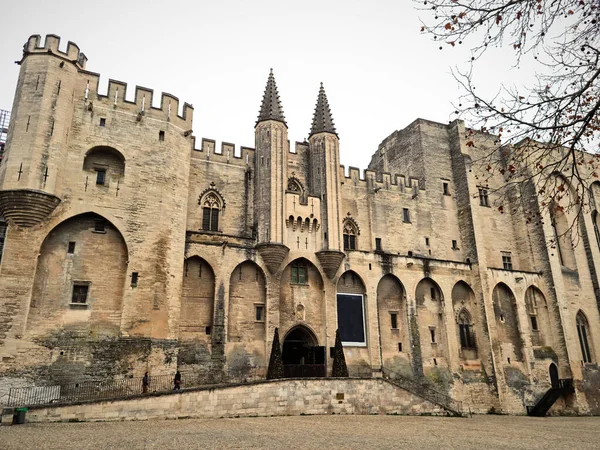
[
  {"x": 350, "y": 233},
  {"x": 465, "y": 328},
  {"x": 211, "y": 206}
]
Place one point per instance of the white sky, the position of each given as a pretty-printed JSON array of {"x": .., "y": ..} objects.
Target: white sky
[{"x": 380, "y": 73}]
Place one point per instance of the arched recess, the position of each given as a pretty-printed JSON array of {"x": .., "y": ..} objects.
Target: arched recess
[
  {"x": 538, "y": 318},
  {"x": 563, "y": 210},
  {"x": 105, "y": 163},
  {"x": 467, "y": 317},
  {"x": 82, "y": 266},
  {"x": 247, "y": 305},
  {"x": 301, "y": 299},
  {"x": 351, "y": 309},
  {"x": 507, "y": 323},
  {"x": 197, "y": 300},
  {"x": 430, "y": 317},
  {"x": 393, "y": 327}
]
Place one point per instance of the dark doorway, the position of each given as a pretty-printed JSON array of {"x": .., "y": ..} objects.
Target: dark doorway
[
  {"x": 554, "y": 380},
  {"x": 302, "y": 356}
]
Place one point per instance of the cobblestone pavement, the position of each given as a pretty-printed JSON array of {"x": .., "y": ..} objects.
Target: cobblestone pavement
[{"x": 313, "y": 432}]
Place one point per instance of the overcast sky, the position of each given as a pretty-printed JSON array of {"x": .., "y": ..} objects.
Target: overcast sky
[{"x": 380, "y": 73}]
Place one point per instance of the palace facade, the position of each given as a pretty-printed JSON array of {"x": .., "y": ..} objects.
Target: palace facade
[{"x": 132, "y": 246}]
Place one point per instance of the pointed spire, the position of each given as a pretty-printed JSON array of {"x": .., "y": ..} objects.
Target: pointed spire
[
  {"x": 271, "y": 105},
  {"x": 322, "y": 120}
]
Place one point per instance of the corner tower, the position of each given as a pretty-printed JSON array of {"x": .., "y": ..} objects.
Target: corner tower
[
  {"x": 39, "y": 129},
  {"x": 271, "y": 143},
  {"x": 324, "y": 171}
]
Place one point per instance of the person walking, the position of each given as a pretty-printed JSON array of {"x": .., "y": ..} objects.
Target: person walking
[
  {"x": 145, "y": 383},
  {"x": 177, "y": 381}
]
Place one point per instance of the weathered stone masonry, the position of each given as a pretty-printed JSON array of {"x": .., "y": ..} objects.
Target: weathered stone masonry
[{"x": 133, "y": 247}]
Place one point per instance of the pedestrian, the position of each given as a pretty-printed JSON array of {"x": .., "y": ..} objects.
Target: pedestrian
[
  {"x": 177, "y": 381},
  {"x": 145, "y": 383}
]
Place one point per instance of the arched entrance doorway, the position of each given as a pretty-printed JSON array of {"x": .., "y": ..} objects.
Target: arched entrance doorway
[
  {"x": 302, "y": 356},
  {"x": 554, "y": 380}
]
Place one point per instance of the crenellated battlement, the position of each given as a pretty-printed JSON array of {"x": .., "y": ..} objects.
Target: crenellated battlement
[
  {"x": 382, "y": 180},
  {"x": 142, "y": 103},
  {"x": 227, "y": 154},
  {"x": 51, "y": 45}
]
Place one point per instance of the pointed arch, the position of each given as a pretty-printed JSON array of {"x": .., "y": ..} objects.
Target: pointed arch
[
  {"x": 507, "y": 322},
  {"x": 247, "y": 303},
  {"x": 82, "y": 264},
  {"x": 393, "y": 317},
  {"x": 432, "y": 330},
  {"x": 467, "y": 314},
  {"x": 584, "y": 335},
  {"x": 197, "y": 300},
  {"x": 301, "y": 297},
  {"x": 539, "y": 320},
  {"x": 351, "y": 292}
]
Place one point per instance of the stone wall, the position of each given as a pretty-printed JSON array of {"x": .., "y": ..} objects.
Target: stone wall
[{"x": 276, "y": 398}]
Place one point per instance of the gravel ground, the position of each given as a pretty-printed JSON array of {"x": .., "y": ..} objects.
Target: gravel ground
[{"x": 313, "y": 432}]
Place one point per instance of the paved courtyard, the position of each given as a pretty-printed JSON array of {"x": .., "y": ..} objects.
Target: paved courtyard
[{"x": 313, "y": 432}]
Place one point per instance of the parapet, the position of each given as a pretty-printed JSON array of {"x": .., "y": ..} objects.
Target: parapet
[
  {"x": 227, "y": 153},
  {"x": 382, "y": 180},
  {"x": 51, "y": 44}
]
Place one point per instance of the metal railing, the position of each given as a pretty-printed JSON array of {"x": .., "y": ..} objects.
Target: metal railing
[
  {"x": 125, "y": 387},
  {"x": 424, "y": 391}
]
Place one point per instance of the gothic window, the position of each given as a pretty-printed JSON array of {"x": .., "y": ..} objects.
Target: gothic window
[
  {"x": 350, "y": 233},
  {"x": 211, "y": 207},
  {"x": 294, "y": 185},
  {"x": 465, "y": 329},
  {"x": 583, "y": 332}
]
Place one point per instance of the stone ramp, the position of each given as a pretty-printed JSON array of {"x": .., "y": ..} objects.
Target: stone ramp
[{"x": 265, "y": 398}]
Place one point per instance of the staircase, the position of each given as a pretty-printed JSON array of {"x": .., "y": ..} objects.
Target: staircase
[
  {"x": 565, "y": 386},
  {"x": 454, "y": 407}
]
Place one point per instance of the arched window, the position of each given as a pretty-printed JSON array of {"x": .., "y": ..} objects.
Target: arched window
[
  {"x": 211, "y": 206},
  {"x": 596, "y": 230},
  {"x": 465, "y": 328},
  {"x": 350, "y": 233},
  {"x": 583, "y": 331}
]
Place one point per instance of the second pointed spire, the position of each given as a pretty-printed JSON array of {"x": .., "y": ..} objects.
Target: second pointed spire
[
  {"x": 322, "y": 119},
  {"x": 271, "y": 108}
]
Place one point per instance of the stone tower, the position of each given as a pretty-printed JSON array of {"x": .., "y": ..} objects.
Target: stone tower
[
  {"x": 37, "y": 140},
  {"x": 271, "y": 137},
  {"x": 324, "y": 171}
]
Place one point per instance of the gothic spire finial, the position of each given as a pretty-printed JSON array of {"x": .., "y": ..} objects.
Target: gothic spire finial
[
  {"x": 271, "y": 108},
  {"x": 322, "y": 120}
]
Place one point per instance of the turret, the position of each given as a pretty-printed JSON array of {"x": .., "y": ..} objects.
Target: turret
[
  {"x": 324, "y": 171},
  {"x": 270, "y": 166},
  {"x": 39, "y": 129}
]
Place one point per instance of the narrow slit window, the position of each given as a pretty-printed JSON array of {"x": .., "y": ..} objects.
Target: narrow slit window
[
  {"x": 446, "y": 188},
  {"x": 432, "y": 333},
  {"x": 454, "y": 244},
  {"x": 71, "y": 248},
  {"x": 378, "y": 244},
  {"x": 134, "y": 279},
  {"x": 394, "y": 320},
  {"x": 406, "y": 215},
  {"x": 102, "y": 122},
  {"x": 259, "y": 313},
  {"x": 161, "y": 136},
  {"x": 483, "y": 197}
]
